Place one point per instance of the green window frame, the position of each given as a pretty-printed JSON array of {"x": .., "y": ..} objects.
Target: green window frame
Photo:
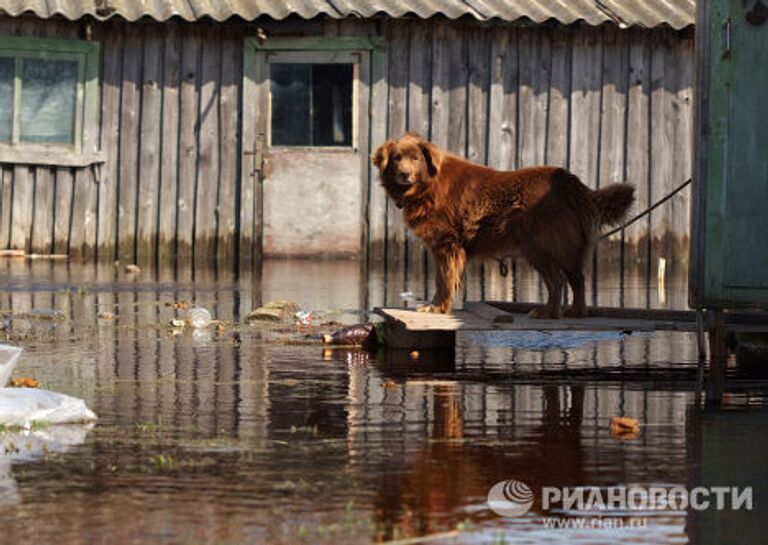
[{"x": 80, "y": 146}]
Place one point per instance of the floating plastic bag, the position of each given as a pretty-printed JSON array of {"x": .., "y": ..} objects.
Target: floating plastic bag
[{"x": 25, "y": 406}]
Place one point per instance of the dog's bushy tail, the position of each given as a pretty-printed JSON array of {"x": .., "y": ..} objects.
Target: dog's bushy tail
[{"x": 613, "y": 202}]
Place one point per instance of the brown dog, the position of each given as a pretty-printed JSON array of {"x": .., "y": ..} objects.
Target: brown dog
[{"x": 462, "y": 210}]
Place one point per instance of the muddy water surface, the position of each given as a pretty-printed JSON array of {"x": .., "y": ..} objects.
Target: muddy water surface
[{"x": 257, "y": 434}]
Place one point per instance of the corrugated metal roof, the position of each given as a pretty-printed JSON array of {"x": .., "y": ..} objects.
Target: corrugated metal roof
[{"x": 648, "y": 13}]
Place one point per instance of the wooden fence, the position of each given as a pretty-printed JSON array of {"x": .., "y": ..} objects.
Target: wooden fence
[{"x": 610, "y": 104}]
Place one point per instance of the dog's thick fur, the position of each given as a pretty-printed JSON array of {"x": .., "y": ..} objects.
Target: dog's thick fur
[{"x": 462, "y": 210}]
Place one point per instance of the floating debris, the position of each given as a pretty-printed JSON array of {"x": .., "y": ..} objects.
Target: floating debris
[
  {"x": 132, "y": 269},
  {"x": 199, "y": 317},
  {"x": 105, "y": 315},
  {"x": 304, "y": 317},
  {"x": 364, "y": 335},
  {"x": 24, "y": 382},
  {"x": 624, "y": 427},
  {"x": 274, "y": 311}
]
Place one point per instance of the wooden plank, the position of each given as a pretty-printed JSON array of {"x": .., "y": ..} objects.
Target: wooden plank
[
  {"x": 43, "y": 212},
  {"x": 363, "y": 148},
  {"x": 611, "y": 164},
  {"x": 478, "y": 89},
  {"x": 419, "y": 85},
  {"x": 149, "y": 153},
  {"x": 377, "y": 204},
  {"x": 558, "y": 120},
  {"x": 248, "y": 182},
  {"x": 22, "y": 202},
  {"x": 82, "y": 238},
  {"x": 169, "y": 181},
  {"x": 65, "y": 181},
  {"x": 399, "y": 47},
  {"x": 189, "y": 111},
  {"x": 208, "y": 158},
  {"x": 457, "y": 55},
  {"x": 502, "y": 134},
  {"x": 111, "y": 82},
  {"x": 682, "y": 55},
  {"x": 585, "y": 104},
  {"x": 638, "y": 138},
  {"x": 533, "y": 95},
  {"x": 6, "y": 204},
  {"x": 129, "y": 139},
  {"x": 663, "y": 119},
  {"x": 231, "y": 76}
]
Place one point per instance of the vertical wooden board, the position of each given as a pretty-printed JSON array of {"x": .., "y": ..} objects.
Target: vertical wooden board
[
  {"x": 612, "y": 132},
  {"x": 208, "y": 158},
  {"x": 663, "y": 119},
  {"x": 6, "y": 204},
  {"x": 419, "y": 90},
  {"x": 502, "y": 132},
  {"x": 441, "y": 107},
  {"x": 169, "y": 128},
  {"x": 188, "y": 130},
  {"x": 612, "y": 160},
  {"x": 149, "y": 154},
  {"x": 377, "y": 204},
  {"x": 479, "y": 45},
  {"x": 229, "y": 102},
  {"x": 682, "y": 157},
  {"x": 585, "y": 103},
  {"x": 111, "y": 38},
  {"x": 457, "y": 89},
  {"x": 82, "y": 237},
  {"x": 558, "y": 119},
  {"x": 533, "y": 95},
  {"x": 441, "y": 85},
  {"x": 43, "y": 212},
  {"x": 397, "y": 107},
  {"x": 251, "y": 105},
  {"x": 478, "y": 90},
  {"x": 129, "y": 143},
  {"x": 638, "y": 137},
  {"x": 419, "y": 78},
  {"x": 21, "y": 213},
  {"x": 65, "y": 181},
  {"x": 363, "y": 149}
]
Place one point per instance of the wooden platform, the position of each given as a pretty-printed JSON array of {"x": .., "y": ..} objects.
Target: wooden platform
[{"x": 411, "y": 329}]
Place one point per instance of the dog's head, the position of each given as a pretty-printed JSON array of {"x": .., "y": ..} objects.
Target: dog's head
[{"x": 406, "y": 162}]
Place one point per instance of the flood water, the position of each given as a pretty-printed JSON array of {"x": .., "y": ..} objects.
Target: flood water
[{"x": 252, "y": 434}]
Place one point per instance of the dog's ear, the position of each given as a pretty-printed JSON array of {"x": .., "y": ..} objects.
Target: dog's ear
[
  {"x": 433, "y": 157},
  {"x": 381, "y": 157}
]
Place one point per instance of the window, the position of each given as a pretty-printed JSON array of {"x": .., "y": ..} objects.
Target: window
[
  {"x": 312, "y": 102},
  {"x": 48, "y": 101}
]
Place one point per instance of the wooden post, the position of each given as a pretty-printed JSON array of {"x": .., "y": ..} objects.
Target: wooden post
[{"x": 718, "y": 354}]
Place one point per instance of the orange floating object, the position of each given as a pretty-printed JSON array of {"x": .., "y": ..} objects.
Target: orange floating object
[
  {"x": 624, "y": 427},
  {"x": 24, "y": 382}
]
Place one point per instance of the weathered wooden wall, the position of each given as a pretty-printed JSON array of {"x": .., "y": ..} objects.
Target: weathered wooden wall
[{"x": 609, "y": 104}]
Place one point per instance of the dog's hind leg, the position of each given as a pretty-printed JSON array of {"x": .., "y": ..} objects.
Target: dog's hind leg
[
  {"x": 552, "y": 275},
  {"x": 579, "y": 307}
]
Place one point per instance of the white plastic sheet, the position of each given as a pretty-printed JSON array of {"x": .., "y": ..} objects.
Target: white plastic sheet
[{"x": 26, "y": 406}]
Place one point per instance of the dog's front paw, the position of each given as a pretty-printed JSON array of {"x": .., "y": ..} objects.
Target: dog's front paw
[{"x": 426, "y": 308}]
